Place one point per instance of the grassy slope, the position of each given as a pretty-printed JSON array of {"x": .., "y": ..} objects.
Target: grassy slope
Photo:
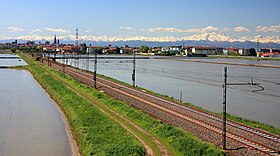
[
  {"x": 95, "y": 132},
  {"x": 178, "y": 140}
]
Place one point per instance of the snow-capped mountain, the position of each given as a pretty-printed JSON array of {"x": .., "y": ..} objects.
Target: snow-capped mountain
[
  {"x": 221, "y": 37},
  {"x": 204, "y": 39}
]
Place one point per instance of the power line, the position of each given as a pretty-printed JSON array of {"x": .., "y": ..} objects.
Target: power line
[{"x": 224, "y": 86}]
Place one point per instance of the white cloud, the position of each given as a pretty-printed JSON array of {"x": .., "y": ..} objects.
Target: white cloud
[
  {"x": 227, "y": 29},
  {"x": 165, "y": 29},
  {"x": 241, "y": 29},
  {"x": 36, "y": 30},
  {"x": 141, "y": 29},
  {"x": 126, "y": 28},
  {"x": 59, "y": 30},
  {"x": 204, "y": 30},
  {"x": 274, "y": 28},
  {"x": 197, "y": 30},
  {"x": 6, "y": 38},
  {"x": 87, "y": 31},
  {"x": 15, "y": 29}
]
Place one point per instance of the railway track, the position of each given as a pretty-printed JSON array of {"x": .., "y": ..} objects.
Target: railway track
[{"x": 255, "y": 139}]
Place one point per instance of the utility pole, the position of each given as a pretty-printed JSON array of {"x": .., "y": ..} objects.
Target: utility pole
[
  {"x": 133, "y": 72},
  {"x": 181, "y": 96},
  {"x": 225, "y": 84},
  {"x": 63, "y": 64},
  {"x": 224, "y": 115},
  {"x": 77, "y": 46},
  {"x": 48, "y": 58},
  {"x": 87, "y": 60},
  {"x": 95, "y": 69},
  {"x": 54, "y": 56},
  {"x": 66, "y": 60},
  {"x": 258, "y": 45},
  {"x": 77, "y": 37}
]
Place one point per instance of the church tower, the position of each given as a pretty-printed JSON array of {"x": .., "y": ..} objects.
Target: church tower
[{"x": 54, "y": 40}]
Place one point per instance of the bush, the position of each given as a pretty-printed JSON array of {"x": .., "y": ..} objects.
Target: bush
[{"x": 13, "y": 50}]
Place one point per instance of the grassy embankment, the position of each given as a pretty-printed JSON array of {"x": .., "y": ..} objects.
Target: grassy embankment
[
  {"x": 179, "y": 141},
  {"x": 248, "y": 122},
  {"x": 94, "y": 131},
  {"x": 244, "y": 57}
]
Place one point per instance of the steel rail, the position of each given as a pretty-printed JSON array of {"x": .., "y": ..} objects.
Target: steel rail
[{"x": 248, "y": 142}]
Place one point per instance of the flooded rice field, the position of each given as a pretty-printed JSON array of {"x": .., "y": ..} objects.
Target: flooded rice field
[
  {"x": 30, "y": 123},
  {"x": 201, "y": 83}
]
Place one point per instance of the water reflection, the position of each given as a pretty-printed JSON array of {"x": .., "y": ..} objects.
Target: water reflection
[{"x": 201, "y": 84}]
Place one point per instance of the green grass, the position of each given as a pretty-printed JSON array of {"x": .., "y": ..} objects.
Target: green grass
[
  {"x": 93, "y": 99},
  {"x": 182, "y": 142},
  {"x": 177, "y": 140},
  {"x": 96, "y": 133}
]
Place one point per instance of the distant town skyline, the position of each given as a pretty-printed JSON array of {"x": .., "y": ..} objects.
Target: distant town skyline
[{"x": 145, "y": 20}]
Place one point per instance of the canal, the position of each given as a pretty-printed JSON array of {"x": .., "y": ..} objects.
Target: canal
[
  {"x": 30, "y": 123},
  {"x": 201, "y": 83}
]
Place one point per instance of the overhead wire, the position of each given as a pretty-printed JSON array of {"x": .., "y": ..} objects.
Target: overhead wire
[{"x": 213, "y": 79}]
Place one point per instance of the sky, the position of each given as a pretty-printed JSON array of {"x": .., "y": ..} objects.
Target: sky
[{"x": 159, "y": 20}]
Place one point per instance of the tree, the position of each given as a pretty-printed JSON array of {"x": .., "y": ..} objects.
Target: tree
[
  {"x": 252, "y": 52},
  {"x": 13, "y": 50},
  {"x": 98, "y": 50},
  {"x": 84, "y": 48},
  {"x": 144, "y": 49},
  {"x": 118, "y": 50},
  {"x": 40, "y": 49}
]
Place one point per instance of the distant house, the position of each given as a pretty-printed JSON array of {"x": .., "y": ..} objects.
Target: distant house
[
  {"x": 164, "y": 49},
  {"x": 90, "y": 49},
  {"x": 49, "y": 48},
  {"x": 270, "y": 50},
  {"x": 230, "y": 50},
  {"x": 271, "y": 54},
  {"x": 244, "y": 51},
  {"x": 65, "y": 49},
  {"x": 110, "y": 50},
  {"x": 171, "y": 49},
  {"x": 175, "y": 49},
  {"x": 204, "y": 50},
  {"x": 156, "y": 50},
  {"x": 126, "y": 50}
]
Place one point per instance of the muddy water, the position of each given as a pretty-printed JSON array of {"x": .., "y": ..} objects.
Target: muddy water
[{"x": 29, "y": 121}]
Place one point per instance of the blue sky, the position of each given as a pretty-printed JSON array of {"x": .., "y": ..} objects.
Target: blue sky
[{"x": 140, "y": 18}]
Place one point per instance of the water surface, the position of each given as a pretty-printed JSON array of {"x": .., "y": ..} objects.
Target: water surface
[
  {"x": 201, "y": 84},
  {"x": 11, "y": 62},
  {"x": 29, "y": 121}
]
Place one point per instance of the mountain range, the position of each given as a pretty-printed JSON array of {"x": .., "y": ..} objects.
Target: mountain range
[{"x": 214, "y": 39}]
